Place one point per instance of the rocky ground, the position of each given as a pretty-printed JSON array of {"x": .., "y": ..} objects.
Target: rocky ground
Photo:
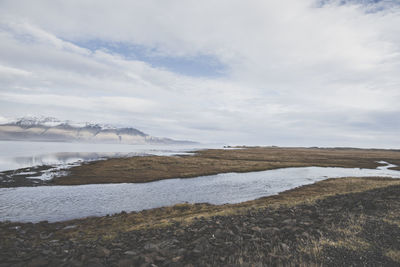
[
  {"x": 357, "y": 228},
  {"x": 24, "y": 176},
  {"x": 32, "y": 176}
]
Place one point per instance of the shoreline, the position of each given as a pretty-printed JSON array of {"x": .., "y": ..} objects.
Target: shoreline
[
  {"x": 145, "y": 169},
  {"x": 216, "y": 161},
  {"x": 58, "y": 203},
  {"x": 301, "y": 225}
]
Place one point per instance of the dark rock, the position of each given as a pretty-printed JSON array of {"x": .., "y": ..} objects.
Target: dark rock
[
  {"x": 75, "y": 263},
  {"x": 94, "y": 262},
  {"x": 69, "y": 227},
  {"x": 284, "y": 247},
  {"x": 267, "y": 221},
  {"x": 289, "y": 221},
  {"x": 38, "y": 262},
  {"x": 181, "y": 251},
  {"x": 177, "y": 259},
  {"x": 45, "y": 235},
  {"x": 131, "y": 253},
  {"x": 150, "y": 246},
  {"x": 103, "y": 252},
  {"x": 126, "y": 263},
  {"x": 201, "y": 244},
  {"x": 219, "y": 233}
]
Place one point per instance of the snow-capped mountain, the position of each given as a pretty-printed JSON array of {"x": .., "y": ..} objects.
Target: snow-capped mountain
[
  {"x": 53, "y": 122},
  {"x": 52, "y": 129},
  {"x": 32, "y": 121}
]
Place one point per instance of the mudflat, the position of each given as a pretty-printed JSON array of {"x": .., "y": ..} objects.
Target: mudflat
[{"x": 214, "y": 161}]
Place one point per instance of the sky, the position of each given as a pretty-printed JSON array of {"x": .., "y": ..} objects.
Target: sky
[{"x": 254, "y": 72}]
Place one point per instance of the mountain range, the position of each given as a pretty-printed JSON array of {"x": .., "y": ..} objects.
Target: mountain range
[{"x": 50, "y": 129}]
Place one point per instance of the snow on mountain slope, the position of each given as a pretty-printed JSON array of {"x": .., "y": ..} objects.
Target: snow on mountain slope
[
  {"x": 53, "y": 122},
  {"x": 52, "y": 129}
]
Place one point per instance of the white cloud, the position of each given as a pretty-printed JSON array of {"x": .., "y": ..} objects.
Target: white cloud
[
  {"x": 297, "y": 73},
  {"x": 8, "y": 71},
  {"x": 4, "y": 120}
]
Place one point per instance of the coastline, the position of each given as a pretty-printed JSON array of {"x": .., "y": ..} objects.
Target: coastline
[{"x": 142, "y": 169}]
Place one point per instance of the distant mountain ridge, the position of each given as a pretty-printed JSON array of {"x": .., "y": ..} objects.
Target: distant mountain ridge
[{"x": 51, "y": 129}]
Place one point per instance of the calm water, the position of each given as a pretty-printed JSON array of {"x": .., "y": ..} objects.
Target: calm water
[
  {"x": 57, "y": 203},
  {"x": 15, "y": 155}
]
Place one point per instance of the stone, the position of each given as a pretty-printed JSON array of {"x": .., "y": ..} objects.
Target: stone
[
  {"x": 268, "y": 221},
  {"x": 289, "y": 221},
  {"x": 176, "y": 259},
  {"x": 103, "y": 252},
  {"x": 201, "y": 243},
  {"x": 75, "y": 263},
  {"x": 38, "y": 262},
  {"x": 45, "y": 235},
  {"x": 159, "y": 258},
  {"x": 256, "y": 229},
  {"x": 94, "y": 262},
  {"x": 150, "y": 246},
  {"x": 219, "y": 233},
  {"x": 130, "y": 253},
  {"x": 126, "y": 263},
  {"x": 284, "y": 247},
  {"x": 69, "y": 227}
]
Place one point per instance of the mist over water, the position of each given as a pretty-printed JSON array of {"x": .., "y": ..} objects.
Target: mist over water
[{"x": 16, "y": 155}]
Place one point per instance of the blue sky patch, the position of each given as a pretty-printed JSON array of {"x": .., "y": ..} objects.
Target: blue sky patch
[
  {"x": 344, "y": 2},
  {"x": 197, "y": 66},
  {"x": 370, "y": 6}
]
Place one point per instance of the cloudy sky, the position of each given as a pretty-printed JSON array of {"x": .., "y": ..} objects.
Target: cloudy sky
[{"x": 267, "y": 72}]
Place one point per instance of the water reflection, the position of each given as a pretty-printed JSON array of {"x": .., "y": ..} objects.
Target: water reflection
[
  {"x": 62, "y": 158},
  {"x": 67, "y": 158},
  {"x": 16, "y": 155}
]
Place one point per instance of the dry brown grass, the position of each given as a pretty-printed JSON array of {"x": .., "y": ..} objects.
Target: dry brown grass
[
  {"x": 392, "y": 218},
  {"x": 394, "y": 255},
  {"x": 349, "y": 235}
]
